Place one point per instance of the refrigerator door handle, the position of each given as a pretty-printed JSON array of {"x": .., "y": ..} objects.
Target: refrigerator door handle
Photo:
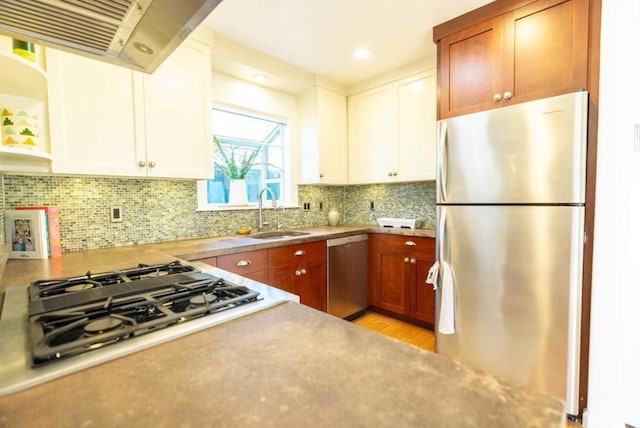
[
  {"x": 441, "y": 233},
  {"x": 442, "y": 160}
]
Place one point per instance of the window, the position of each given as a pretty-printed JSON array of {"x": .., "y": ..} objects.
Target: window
[{"x": 240, "y": 135}]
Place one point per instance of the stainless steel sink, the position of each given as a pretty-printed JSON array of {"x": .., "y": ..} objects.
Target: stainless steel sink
[{"x": 278, "y": 234}]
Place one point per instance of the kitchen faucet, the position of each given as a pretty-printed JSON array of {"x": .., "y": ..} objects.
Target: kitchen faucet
[{"x": 261, "y": 222}]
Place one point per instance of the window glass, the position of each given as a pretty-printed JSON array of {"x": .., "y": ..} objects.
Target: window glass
[{"x": 240, "y": 136}]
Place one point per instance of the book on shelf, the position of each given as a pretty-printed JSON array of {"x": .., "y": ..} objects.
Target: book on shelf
[{"x": 53, "y": 228}]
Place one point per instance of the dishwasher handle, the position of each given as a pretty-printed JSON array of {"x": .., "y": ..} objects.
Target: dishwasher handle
[{"x": 346, "y": 240}]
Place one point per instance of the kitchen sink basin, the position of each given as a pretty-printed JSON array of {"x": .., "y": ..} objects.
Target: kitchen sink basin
[{"x": 278, "y": 234}]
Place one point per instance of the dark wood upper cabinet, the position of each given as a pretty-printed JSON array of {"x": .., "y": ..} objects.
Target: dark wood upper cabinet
[{"x": 536, "y": 50}]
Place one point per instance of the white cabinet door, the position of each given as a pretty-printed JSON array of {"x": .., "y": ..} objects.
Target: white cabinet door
[
  {"x": 177, "y": 114},
  {"x": 92, "y": 120},
  {"x": 323, "y": 137},
  {"x": 108, "y": 120},
  {"x": 372, "y": 146},
  {"x": 416, "y": 101},
  {"x": 332, "y": 128},
  {"x": 392, "y": 131}
]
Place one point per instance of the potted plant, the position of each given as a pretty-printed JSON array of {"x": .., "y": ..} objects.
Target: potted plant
[{"x": 235, "y": 170}]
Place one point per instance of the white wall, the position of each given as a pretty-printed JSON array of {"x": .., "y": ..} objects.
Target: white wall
[{"x": 614, "y": 367}]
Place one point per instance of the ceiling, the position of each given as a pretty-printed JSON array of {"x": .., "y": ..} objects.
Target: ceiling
[{"x": 320, "y": 36}]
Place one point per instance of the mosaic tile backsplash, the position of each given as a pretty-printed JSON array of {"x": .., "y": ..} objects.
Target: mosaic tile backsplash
[{"x": 165, "y": 210}]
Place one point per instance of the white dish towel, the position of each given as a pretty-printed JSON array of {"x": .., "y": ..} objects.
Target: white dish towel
[{"x": 447, "y": 321}]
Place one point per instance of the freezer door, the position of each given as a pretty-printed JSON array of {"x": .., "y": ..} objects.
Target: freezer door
[
  {"x": 517, "y": 273},
  {"x": 532, "y": 152}
]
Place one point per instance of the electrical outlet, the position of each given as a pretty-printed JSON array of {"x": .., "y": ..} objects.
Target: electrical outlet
[
  {"x": 306, "y": 206},
  {"x": 320, "y": 206},
  {"x": 116, "y": 214},
  {"x": 372, "y": 206}
]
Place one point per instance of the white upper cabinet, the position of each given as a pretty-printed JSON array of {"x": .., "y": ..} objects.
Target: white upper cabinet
[
  {"x": 372, "y": 150},
  {"x": 108, "y": 120},
  {"x": 177, "y": 115},
  {"x": 416, "y": 133},
  {"x": 93, "y": 121},
  {"x": 323, "y": 147},
  {"x": 392, "y": 131}
]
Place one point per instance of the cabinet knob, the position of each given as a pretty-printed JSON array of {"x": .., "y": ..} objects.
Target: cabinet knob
[
  {"x": 406, "y": 259},
  {"x": 298, "y": 273},
  {"x": 497, "y": 97},
  {"x": 507, "y": 95},
  {"x": 410, "y": 243},
  {"x": 244, "y": 263},
  {"x": 303, "y": 271},
  {"x": 412, "y": 261},
  {"x": 142, "y": 164},
  {"x": 321, "y": 175},
  {"x": 152, "y": 164},
  {"x": 300, "y": 253}
]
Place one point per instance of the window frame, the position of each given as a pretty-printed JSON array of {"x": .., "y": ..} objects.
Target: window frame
[{"x": 287, "y": 195}]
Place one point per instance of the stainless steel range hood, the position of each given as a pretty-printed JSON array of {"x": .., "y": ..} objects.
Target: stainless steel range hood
[{"x": 135, "y": 34}]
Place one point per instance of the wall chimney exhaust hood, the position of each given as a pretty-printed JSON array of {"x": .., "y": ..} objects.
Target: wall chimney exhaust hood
[{"x": 136, "y": 34}]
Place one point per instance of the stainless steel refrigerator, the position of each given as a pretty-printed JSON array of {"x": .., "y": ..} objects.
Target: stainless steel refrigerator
[{"x": 510, "y": 237}]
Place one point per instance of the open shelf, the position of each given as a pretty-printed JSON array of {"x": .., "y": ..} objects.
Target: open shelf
[
  {"x": 24, "y": 160},
  {"x": 21, "y": 77}
]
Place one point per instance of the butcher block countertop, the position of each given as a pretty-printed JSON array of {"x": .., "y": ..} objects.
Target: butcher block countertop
[
  {"x": 288, "y": 366},
  {"x": 22, "y": 272}
]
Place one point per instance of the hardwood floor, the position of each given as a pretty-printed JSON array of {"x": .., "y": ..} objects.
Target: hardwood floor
[
  {"x": 409, "y": 333},
  {"x": 400, "y": 330}
]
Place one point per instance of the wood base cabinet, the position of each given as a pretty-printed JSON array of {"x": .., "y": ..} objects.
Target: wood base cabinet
[
  {"x": 398, "y": 267},
  {"x": 250, "y": 264},
  {"x": 301, "y": 269},
  {"x": 503, "y": 54}
]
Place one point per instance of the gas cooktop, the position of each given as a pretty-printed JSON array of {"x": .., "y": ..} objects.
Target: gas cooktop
[
  {"x": 58, "y": 326},
  {"x": 76, "y": 315}
]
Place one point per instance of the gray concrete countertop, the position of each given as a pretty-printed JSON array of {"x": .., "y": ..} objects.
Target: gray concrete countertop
[
  {"x": 288, "y": 366},
  {"x": 23, "y": 272}
]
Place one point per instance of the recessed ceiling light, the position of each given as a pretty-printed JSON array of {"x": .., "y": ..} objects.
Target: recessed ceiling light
[
  {"x": 260, "y": 78},
  {"x": 362, "y": 54}
]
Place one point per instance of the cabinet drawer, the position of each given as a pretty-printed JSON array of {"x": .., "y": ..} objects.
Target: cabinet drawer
[
  {"x": 298, "y": 253},
  {"x": 244, "y": 263},
  {"x": 411, "y": 244}
]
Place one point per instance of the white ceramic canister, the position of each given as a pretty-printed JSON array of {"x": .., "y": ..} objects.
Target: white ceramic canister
[{"x": 334, "y": 217}]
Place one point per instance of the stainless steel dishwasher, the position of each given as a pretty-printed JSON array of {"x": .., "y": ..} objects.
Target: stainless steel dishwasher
[{"x": 347, "y": 273}]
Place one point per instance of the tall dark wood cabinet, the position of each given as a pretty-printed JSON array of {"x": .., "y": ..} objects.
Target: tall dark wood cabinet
[{"x": 512, "y": 51}]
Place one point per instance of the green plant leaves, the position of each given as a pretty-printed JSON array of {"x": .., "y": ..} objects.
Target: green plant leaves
[{"x": 229, "y": 166}]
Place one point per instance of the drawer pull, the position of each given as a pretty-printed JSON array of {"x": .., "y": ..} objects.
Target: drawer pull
[
  {"x": 300, "y": 253},
  {"x": 244, "y": 263},
  {"x": 410, "y": 243}
]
